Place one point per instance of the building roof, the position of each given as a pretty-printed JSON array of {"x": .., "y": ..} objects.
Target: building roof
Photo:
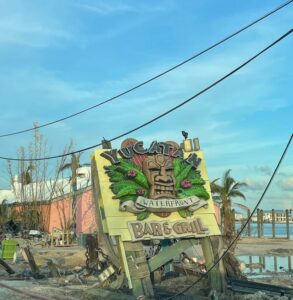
[{"x": 47, "y": 190}]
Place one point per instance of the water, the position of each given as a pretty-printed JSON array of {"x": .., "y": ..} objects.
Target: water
[
  {"x": 280, "y": 230},
  {"x": 281, "y": 266},
  {"x": 282, "y": 261}
]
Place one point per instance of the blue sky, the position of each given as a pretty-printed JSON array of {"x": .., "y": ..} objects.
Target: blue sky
[{"x": 57, "y": 57}]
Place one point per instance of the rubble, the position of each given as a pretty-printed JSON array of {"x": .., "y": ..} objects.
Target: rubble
[{"x": 75, "y": 272}]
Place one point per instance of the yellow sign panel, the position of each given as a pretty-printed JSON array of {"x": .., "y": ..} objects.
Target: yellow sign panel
[{"x": 153, "y": 193}]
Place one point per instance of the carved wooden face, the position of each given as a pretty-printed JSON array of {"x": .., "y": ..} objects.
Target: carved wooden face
[{"x": 159, "y": 172}]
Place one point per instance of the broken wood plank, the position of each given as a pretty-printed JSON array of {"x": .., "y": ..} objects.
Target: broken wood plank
[
  {"x": 7, "y": 268},
  {"x": 31, "y": 261},
  {"x": 165, "y": 256}
]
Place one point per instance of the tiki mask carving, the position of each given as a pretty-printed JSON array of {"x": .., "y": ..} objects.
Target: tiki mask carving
[{"x": 159, "y": 172}]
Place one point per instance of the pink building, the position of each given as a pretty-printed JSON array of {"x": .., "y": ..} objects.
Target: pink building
[{"x": 58, "y": 212}]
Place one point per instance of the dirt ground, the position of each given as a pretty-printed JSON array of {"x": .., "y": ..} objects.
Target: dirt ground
[
  {"x": 264, "y": 246},
  {"x": 68, "y": 287}
]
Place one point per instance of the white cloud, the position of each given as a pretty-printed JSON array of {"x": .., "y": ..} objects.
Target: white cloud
[
  {"x": 254, "y": 184},
  {"x": 106, "y": 7},
  {"x": 286, "y": 183},
  {"x": 266, "y": 170},
  {"x": 34, "y": 28},
  {"x": 40, "y": 86}
]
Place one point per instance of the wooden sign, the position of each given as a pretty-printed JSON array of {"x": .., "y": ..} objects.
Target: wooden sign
[
  {"x": 167, "y": 229},
  {"x": 154, "y": 192}
]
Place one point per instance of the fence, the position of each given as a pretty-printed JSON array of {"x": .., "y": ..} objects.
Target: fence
[{"x": 272, "y": 217}]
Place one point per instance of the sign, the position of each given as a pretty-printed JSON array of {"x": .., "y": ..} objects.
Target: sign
[
  {"x": 156, "y": 180},
  {"x": 160, "y": 190},
  {"x": 166, "y": 229},
  {"x": 167, "y": 149},
  {"x": 164, "y": 204}
]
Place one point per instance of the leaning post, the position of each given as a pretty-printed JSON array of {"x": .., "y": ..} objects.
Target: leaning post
[
  {"x": 214, "y": 274},
  {"x": 248, "y": 224},
  {"x": 273, "y": 224},
  {"x": 287, "y": 224},
  {"x": 258, "y": 223},
  {"x": 275, "y": 264},
  {"x": 261, "y": 223}
]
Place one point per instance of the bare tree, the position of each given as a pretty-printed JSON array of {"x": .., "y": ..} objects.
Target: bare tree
[
  {"x": 73, "y": 165},
  {"x": 34, "y": 182}
]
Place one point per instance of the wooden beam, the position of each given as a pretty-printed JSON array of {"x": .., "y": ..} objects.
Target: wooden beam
[
  {"x": 258, "y": 223},
  {"x": 165, "y": 256},
  {"x": 31, "y": 261},
  {"x": 7, "y": 268},
  {"x": 287, "y": 224},
  {"x": 273, "y": 224},
  {"x": 214, "y": 275},
  {"x": 138, "y": 269}
]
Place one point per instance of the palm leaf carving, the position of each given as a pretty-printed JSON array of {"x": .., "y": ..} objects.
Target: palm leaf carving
[
  {"x": 194, "y": 184},
  {"x": 128, "y": 181}
]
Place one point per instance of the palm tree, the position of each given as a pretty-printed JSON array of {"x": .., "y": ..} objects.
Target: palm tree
[{"x": 223, "y": 193}]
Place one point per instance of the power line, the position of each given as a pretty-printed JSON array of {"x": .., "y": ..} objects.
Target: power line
[
  {"x": 153, "y": 78},
  {"x": 243, "y": 227},
  {"x": 163, "y": 114}
]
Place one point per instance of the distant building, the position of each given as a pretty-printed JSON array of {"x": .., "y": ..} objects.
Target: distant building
[
  {"x": 280, "y": 216},
  {"x": 267, "y": 216},
  {"x": 238, "y": 216},
  {"x": 56, "y": 208}
]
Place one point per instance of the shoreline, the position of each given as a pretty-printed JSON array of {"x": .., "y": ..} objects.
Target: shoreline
[
  {"x": 264, "y": 246},
  {"x": 251, "y": 222}
]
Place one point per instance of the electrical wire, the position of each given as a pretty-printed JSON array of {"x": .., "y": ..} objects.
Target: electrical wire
[
  {"x": 161, "y": 115},
  {"x": 245, "y": 224},
  {"x": 153, "y": 78}
]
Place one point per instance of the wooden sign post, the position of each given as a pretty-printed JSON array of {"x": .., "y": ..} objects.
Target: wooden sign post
[{"x": 155, "y": 193}]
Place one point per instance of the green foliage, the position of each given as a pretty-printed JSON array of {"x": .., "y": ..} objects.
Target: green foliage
[
  {"x": 198, "y": 191},
  {"x": 125, "y": 188},
  {"x": 143, "y": 215},
  {"x": 177, "y": 167},
  {"x": 114, "y": 175},
  {"x": 124, "y": 185},
  {"x": 184, "y": 213},
  {"x": 119, "y": 172},
  {"x": 223, "y": 193},
  {"x": 186, "y": 168},
  {"x": 184, "y": 171}
]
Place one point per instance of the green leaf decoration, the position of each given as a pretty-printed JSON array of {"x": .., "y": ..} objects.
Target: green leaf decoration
[
  {"x": 198, "y": 191},
  {"x": 184, "y": 171},
  {"x": 124, "y": 184},
  {"x": 183, "y": 174},
  {"x": 143, "y": 215},
  {"x": 197, "y": 181},
  {"x": 126, "y": 188},
  {"x": 121, "y": 169},
  {"x": 177, "y": 167},
  {"x": 115, "y": 176},
  {"x": 184, "y": 213},
  {"x": 127, "y": 191}
]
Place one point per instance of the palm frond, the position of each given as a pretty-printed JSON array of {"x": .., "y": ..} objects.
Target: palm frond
[
  {"x": 215, "y": 188},
  {"x": 239, "y": 185},
  {"x": 236, "y": 193}
]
